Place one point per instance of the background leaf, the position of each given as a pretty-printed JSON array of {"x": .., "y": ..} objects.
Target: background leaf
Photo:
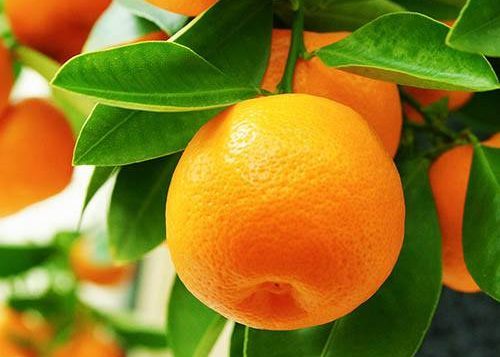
[
  {"x": 438, "y": 9},
  {"x": 335, "y": 15},
  {"x": 15, "y": 260},
  {"x": 409, "y": 48},
  {"x": 192, "y": 327},
  {"x": 477, "y": 30},
  {"x": 481, "y": 233},
  {"x": 136, "y": 217},
  {"x": 481, "y": 113}
]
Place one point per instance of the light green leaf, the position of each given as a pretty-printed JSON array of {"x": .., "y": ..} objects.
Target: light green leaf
[
  {"x": 192, "y": 327},
  {"x": 136, "y": 217},
  {"x": 409, "y": 48},
  {"x": 115, "y": 136},
  {"x": 167, "y": 21},
  {"x": 481, "y": 232},
  {"x": 438, "y": 9},
  {"x": 15, "y": 260},
  {"x": 335, "y": 15},
  {"x": 477, "y": 29}
]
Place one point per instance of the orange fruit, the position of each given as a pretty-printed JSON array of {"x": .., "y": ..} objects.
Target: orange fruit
[
  {"x": 152, "y": 36},
  {"x": 36, "y": 147},
  {"x": 56, "y": 28},
  {"x": 89, "y": 342},
  {"x": 6, "y": 75},
  {"x": 285, "y": 212},
  {"x": 449, "y": 177},
  {"x": 377, "y": 101},
  {"x": 184, "y": 7},
  {"x": 87, "y": 268}
]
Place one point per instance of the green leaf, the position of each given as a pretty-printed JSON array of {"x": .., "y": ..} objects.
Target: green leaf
[
  {"x": 395, "y": 319},
  {"x": 117, "y": 26},
  {"x": 15, "y": 260},
  {"x": 438, "y": 9},
  {"x": 335, "y": 15},
  {"x": 481, "y": 113},
  {"x": 115, "y": 136},
  {"x": 154, "y": 76},
  {"x": 409, "y": 48},
  {"x": 250, "y": 342},
  {"x": 481, "y": 233},
  {"x": 477, "y": 29},
  {"x": 99, "y": 177},
  {"x": 239, "y": 44},
  {"x": 167, "y": 21},
  {"x": 136, "y": 217},
  {"x": 192, "y": 327}
]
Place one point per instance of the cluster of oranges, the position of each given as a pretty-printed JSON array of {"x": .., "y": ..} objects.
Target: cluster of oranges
[{"x": 285, "y": 211}]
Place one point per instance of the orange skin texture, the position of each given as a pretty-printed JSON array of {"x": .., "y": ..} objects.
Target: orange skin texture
[
  {"x": 449, "y": 177},
  {"x": 86, "y": 269},
  {"x": 36, "y": 148},
  {"x": 285, "y": 212},
  {"x": 184, "y": 7},
  {"x": 89, "y": 342},
  {"x": 6, "y": 75},
  {"x": 56, "y": 28},
  {"x": 378, "y": 102}
]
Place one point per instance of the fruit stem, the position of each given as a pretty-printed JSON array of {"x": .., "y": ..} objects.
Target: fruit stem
[{"x": 297, "y": 47}]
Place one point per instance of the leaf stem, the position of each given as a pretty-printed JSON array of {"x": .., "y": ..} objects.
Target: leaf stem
[{"x": 297, "y": 47}]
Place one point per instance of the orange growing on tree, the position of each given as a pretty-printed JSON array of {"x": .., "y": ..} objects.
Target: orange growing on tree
[
  {"x": 183, "y": 7},
  {"x": 56, "y": 28},
  {"x": 376, "y": 101},
  {"x": 285, "y": 212},
  {"x": 449, "y": 176},
  {"x": 90, "y": 341},
  {"x": 87, "y": 266},
  {"x": 36, "y": 148},
  {"x": 6, "y": 75}
]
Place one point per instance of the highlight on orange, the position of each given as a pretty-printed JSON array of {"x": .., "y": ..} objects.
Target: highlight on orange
[
  {"x": 90, "y": 341},
  {"x": 285, "y": 212},
  {"x": 56, "y": 28},
  {"x": 377, "y": 101},
  {"x": 449, "y": 177},
  {"x": 6, "y": 75},
  {"x": 86, "y": 266},
  {"x": 36, "y": 149},
  {"x": 184, "y": 7}
]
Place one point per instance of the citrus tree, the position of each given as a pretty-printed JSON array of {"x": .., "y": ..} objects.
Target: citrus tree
[{"x": 317, "y": 168}]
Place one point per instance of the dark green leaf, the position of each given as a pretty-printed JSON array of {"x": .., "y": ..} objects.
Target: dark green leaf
[
  {"x": 477, "y": 30},
  {"x": 438, "y": 9},
  {"x": 154, "y": 76},
  {"x": 19, "y": 259},
  {"x": 409, "y": 48},
  {"x": 117, "y": 26},
  {"x": 481, "y": 233},
  {"x": 115, "y": 136},
  {"x": 136, "y": 218},
  {"x": 334, "y": 15},
  {"x": 167, "y": 21},
  {"x": 192, "y": 327},
  {"x": 481, "y": 113},
  {"x": 99, "y": 177}
]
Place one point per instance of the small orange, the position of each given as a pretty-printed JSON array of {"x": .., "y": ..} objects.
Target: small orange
[
  {"x": 56, "y": 28},
  {"x": 87, "y": 268},
  {"x": 449, "y": 176},
  {"x": 184, "y": 7},
  {"x": 285, "y": 212},
  {"x": 6, "y": 75},
  {"x": 90, "y": 342},
  {"x": 36, "y": 147},
  {"x": 377, "y": 101}
]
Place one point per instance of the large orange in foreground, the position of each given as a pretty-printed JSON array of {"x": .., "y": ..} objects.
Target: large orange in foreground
[
  {"x": 378, "y": 102},
  {"x": 36, "y": 147},
  {"x": 449, "y": 176},
  {"x": 184, "y": 7},
  {"x": 285, "y": 212},
  {"x": 6, "y": 76}
]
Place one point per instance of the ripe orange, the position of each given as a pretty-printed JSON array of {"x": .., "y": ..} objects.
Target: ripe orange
[
  {"x": 90, "y": 342},
  {"x": 87, "y": 268},
  {"x": 377, "y": 101},
  {"x": 36, "y": 147},
  {"x": 285, "y": 212},
  {"x": 183, "y": 7},
  {"x": 6, "y": 75},
  {"x": 54, "y": 27},
  {"x": 449, "y": 176}
]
